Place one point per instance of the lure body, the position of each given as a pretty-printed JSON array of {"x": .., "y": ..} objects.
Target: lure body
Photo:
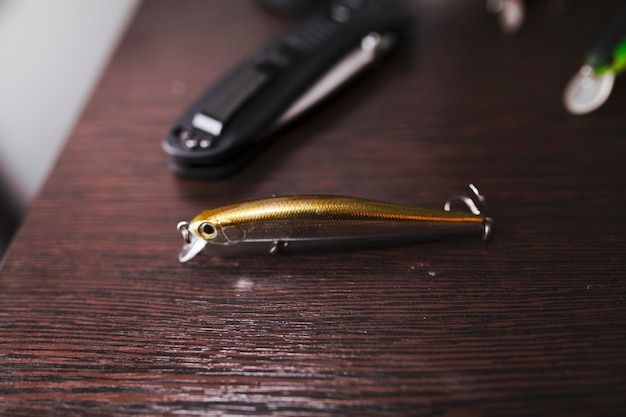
[{"x": 280, "y": 220}]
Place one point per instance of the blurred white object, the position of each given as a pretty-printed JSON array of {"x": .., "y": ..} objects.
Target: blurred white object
[
  {"x": 587, "y": 90},
  {"x": 51, "y": 55},
  {"x": 511, "y": 14}
]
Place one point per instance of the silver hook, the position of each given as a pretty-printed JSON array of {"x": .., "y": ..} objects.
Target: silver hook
[
  {"x": 475, "y": 202},
  {"x": 469, "y": 203},
  {"x": 183, "y": 227}
]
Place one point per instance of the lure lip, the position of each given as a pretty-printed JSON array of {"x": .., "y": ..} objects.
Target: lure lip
[
  {"x": 193, "y": 244},
  {"x": 588, "y": 90}
]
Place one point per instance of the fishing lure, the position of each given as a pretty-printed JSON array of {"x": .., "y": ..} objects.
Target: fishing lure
[
  {"x": 591, "y": 86},
  {"x": 280, "y": 220}
]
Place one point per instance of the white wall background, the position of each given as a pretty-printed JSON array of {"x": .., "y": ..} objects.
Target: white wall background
[{"x": 52, "y": 53}]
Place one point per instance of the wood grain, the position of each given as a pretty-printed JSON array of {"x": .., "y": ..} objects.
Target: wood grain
[{"x": 97, "y": 317}]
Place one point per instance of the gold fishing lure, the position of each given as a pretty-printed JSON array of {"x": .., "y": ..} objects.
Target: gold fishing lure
[{"x": 280, "y": 220}]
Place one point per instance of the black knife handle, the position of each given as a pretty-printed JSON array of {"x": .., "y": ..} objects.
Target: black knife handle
[{"x": 230, "y": 120}]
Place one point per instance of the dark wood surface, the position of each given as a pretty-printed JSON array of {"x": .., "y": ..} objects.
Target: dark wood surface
[{"x": 97, "y": 316}]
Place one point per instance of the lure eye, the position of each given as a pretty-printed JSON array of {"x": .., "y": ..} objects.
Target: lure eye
[{"x": 208, "y": 229}]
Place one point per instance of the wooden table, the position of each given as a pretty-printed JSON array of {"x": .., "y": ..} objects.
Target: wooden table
[{"x": 97, "y": 316}]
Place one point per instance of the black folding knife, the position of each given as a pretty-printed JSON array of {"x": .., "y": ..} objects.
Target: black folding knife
[{"x": 236, "y": 118}]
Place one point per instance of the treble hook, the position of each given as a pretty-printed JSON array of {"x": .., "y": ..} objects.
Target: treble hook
[{"x": 475, "y": 202}]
